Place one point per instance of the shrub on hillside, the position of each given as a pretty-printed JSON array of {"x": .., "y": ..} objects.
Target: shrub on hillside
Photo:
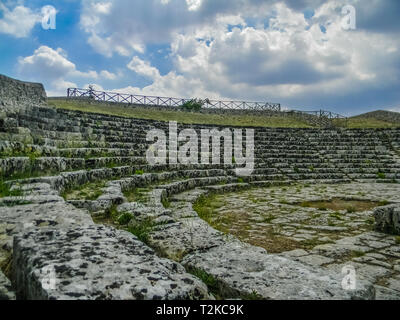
[{"x": 193, "y": 105}]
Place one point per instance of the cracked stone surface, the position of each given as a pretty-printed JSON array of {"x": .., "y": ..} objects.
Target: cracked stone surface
[
  {"x": 330, "y": 239},
  {"x": 89, "y": 261},
  {"x": 14, "y": 220},
  {"x": 177, "y": 239},
  {"x": 251, "y": 269},
  {"x": 96, "y": 262}
]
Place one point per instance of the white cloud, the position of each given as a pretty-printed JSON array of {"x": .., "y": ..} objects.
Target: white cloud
[
  {"x": 46, "y": 62},
  {"x": 129, "y": 25},
  {"x": 108, "y": 75},
  {"x": 52, "y": 64},
  {"x": 143, "y": 68},
  {"x": 59, "y": 88},
  {"x": 18, "y": 22},
  {"x": 53, "y": 67},
  {"x": 102, "y": 7},
  {"x": 394, "y": 109},
  {"x": 194, "y": 5}
]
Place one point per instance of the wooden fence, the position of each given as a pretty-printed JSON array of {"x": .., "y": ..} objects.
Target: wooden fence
[
  {"x": 319, "y": 118},
  {"x": 168, "y": 102}
]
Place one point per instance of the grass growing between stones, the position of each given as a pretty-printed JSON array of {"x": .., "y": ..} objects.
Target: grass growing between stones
[
  {"x": 273, "y": 219},
  {"x": 219, "y": 290},
  {"x": 88, "y": 191},
  {"x": 23, "y": 152},
  {"x": 206, "y": 207},
  {"x": 149, "y": 113},
  {"x": 125, "y": 221},
  {"x": 166, "y": 203},
  {"x": 141, "y": 229},
  {"x": 209, "y": 280},
  {"x": 136, "y": 194},
  {"x": 5, "y": 190}
]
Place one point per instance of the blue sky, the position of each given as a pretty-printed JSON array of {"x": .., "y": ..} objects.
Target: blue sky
[{"x": 296, "y": 52}]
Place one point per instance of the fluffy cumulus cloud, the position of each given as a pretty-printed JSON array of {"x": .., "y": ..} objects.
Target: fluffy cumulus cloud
[
  {"x": 264, "y": 50},
  {"x": 124, "y": 26},
  {"x": 52, "y": 67},
  {"x": 18, "y": 22},
  {"x": 143, "y": 68}
]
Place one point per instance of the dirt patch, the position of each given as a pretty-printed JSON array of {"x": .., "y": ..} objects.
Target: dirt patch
[{"x": 338, "y": 204}]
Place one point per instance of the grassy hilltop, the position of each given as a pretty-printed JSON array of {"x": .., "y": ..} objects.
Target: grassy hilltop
[{"x": 379, "y": 119}]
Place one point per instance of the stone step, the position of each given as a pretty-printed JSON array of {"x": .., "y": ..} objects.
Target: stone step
[{"x": 96, "y": 262}]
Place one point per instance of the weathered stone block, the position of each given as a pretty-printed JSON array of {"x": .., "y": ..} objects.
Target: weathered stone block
[
  {"x": 96, "y": 262},
  {"x": 15, "y": 94},
  {"x": 387, "y": 219}
]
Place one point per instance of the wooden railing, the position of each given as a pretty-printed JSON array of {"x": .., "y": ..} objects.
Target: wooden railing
[
  {"x": 319, "y": 118},
  {"x": 168, "y": 102}
]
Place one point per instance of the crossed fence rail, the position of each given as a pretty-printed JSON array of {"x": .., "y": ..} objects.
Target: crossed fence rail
[{"x": 166, "y": 101}]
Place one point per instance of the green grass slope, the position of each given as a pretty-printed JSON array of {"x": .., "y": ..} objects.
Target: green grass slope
[
  {"x": 375, "y": 119},
  {"x": 149, "y": 113}
]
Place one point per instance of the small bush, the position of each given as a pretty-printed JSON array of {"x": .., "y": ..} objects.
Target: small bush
[
  {"x": 370, "y": 221},
  {"x": 336, "y": 215},
  {"x": 193, "y": 105},
  {"x": 381, "y": 175},
  {"x": 351, "y": 210},
  {"x": 124, "y": 218},
  {"x": 5, "y": 191},
  {"x": 139, "y": 172},
  {"x": 383, "y": 203}
]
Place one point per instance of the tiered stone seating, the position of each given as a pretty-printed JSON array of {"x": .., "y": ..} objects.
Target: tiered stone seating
[
  {"x": 67, "y": 141},
  {"x": 50, "y": 151}
]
